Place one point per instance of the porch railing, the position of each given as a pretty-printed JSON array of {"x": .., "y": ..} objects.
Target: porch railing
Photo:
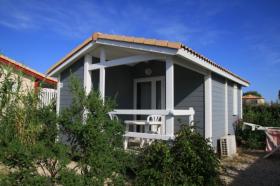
[
  {"x": 47, "y": 95},
  {"x": 166, "y": 135}
]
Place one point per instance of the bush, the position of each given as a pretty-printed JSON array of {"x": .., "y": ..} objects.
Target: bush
[
  {"x": 28, "y": 138},
  {"x": 265, "y": 115},
  {"x": 247, "y": 138},
  {"x": 189, "y": 160},
  {"x": 95, "y": 139},
  {"x": 28, "y": 135}
]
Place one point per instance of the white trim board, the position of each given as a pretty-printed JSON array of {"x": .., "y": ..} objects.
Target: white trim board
[
  {"x": 58, "y": 87},
  {"x": 126, "y": 61},
  {"x": 72, "y": 58},
  {"x": 208, "y": 106}
]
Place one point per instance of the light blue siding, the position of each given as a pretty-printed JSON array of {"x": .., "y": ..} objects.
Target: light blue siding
[
  {"x": 77, "y": 69},
  {"x": 189, "y": 92},
  {"x": 218, "y": 108}
]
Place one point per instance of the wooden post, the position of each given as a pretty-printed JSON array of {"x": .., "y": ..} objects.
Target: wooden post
[
  {"x": 169, "y": 119},
  {"x": 58, "y": 87},
  {"x": 87, "y": 74},
  {"x": 102, "y": 73},
  {"x": 208, "y": 105}
]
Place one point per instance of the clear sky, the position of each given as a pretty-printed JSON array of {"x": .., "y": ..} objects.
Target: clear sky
[{"x": 241, "y": 35}]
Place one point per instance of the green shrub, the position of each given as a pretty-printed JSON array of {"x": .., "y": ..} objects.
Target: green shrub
[
  {"x": 264, "y": 115},
  {"x": 95, "y": 139},
  {"x": 247, "y": 138},
  {"x": 28, "y": 135},
  {"x": 155, "y": 164},
  {"x": 189, "y": 160}
]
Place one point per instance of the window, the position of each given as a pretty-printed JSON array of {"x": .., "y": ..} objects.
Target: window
[{"x": 235, "y": 100}]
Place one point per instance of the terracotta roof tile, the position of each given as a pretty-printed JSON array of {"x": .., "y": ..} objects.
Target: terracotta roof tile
[
  {"x": 250, "y": 96},
  {"x": 150, "y": 41},
  {"x": 161, "y": 43},
  {"x": 138, "y": 40}
]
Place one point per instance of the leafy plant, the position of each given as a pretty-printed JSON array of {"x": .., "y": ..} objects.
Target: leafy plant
[
  {"x": 95, "y": 139},
  {"x": 255, "y": 93},
  {"x": 189, "y": 160},
  {"x": 264, "y": 115},
  {"x": 28, "y": 135}
]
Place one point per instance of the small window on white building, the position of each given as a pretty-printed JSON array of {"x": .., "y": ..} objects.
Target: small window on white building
[{"x": 235, "y": 100}]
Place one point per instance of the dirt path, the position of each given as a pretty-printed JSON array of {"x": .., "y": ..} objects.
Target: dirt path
[{"x": 249, "y": 168}]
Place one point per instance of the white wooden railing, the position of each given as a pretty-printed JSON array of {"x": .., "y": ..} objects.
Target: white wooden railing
[
  {"x": 165, "y": 113},
  {"x": 47, "y": 95}
]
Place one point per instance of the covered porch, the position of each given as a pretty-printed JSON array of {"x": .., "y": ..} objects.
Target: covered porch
[{"x": 153, "y": 91}]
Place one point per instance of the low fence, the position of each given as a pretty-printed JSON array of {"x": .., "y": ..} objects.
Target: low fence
[{"x": 47, "y": 96}]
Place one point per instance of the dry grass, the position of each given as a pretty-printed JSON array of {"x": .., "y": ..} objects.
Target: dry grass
[
  {"x": 249, "y": 168},
  {"x": 4, "y": 170}
]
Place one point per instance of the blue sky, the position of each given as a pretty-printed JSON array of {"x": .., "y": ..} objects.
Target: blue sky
[{"x": 243, "y": 36}]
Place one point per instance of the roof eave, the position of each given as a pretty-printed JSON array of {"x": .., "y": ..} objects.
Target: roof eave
[{"x": 211, "y": 66}]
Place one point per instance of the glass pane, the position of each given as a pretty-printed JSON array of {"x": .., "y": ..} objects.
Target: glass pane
[
  {"x": 144, "y": 98},
  {"x": 158, "y": 95},
  {"x": 144, "y": 95}
]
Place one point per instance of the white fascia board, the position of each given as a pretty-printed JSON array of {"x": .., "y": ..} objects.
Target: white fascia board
[
  {"x": 72, "y": 59},
  {"x": 126, "y": 61},
  {"x": 135, "y": 46},
  {"x": 187, "y": 55}
]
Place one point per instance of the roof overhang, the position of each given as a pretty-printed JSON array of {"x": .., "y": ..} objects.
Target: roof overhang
[
  {"x": 212, "y": 67},
  {"x": 154, "y": 46}
]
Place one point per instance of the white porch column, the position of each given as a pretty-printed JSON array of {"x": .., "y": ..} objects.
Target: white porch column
[
  {"x": 169, "y": 128},
  {"x": 87, "y": 74},
  {"x": 241, "y": 104},
  {"x": 102, "y": 73},
  {"x": 208, "y": 105},
  {"x": 226, "y": 108},
  {"x": 58, "y": 86}
]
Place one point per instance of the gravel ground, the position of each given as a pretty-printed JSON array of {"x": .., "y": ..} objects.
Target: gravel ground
[{"x": 250, "y": 168}]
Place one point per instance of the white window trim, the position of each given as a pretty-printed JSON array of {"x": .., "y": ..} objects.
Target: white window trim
[{"x": 153, "y": 81}]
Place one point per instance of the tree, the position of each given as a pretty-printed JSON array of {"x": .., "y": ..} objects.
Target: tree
[
  {"x": 95, "y": 139},
  {"x": 255, "y": 93},
  {"x": 28, "y": 135}
]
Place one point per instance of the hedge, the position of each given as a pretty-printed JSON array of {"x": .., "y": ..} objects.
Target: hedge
[{"x": 265, "y": 115}]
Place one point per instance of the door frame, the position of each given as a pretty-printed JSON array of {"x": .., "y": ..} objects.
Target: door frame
[{"x": 153, "y": 81}]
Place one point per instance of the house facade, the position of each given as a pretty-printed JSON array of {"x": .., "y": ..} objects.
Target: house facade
[
  {"x": 151, "y": 77},
  {"x": 253, "y": 100},
  {"x": 30, "y": 78}
]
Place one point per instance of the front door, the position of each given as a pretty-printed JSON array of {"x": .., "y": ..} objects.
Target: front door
[{"x": 149, "y": 93}]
